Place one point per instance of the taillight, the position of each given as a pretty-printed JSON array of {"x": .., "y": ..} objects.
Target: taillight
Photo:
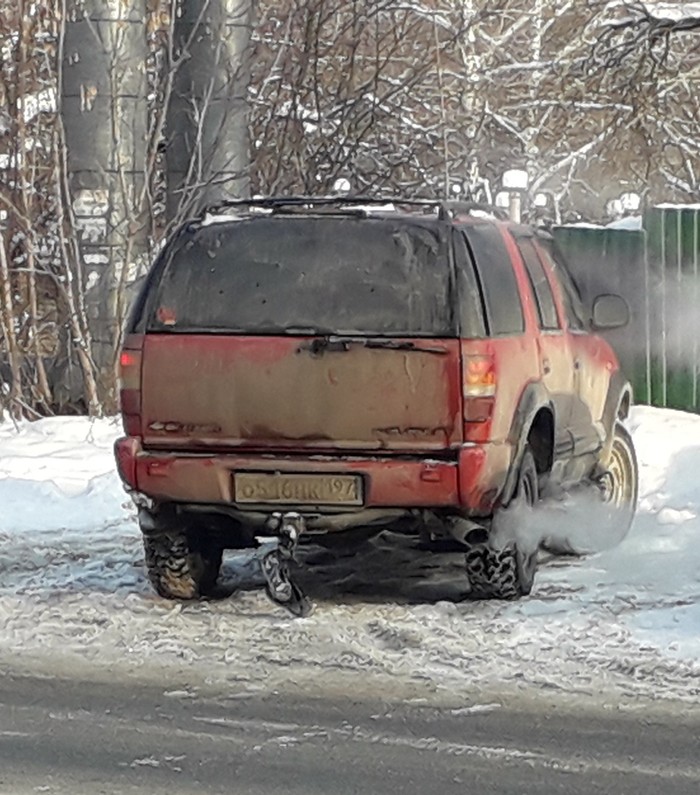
[
  {"x": 479, "y": 377},
  {"x": 129, "y": 359},
  {"x": 130, "y": 384},
  {"x": 479, "y": 387}
]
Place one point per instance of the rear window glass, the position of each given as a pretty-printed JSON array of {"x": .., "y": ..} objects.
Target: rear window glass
[
  {"x": 544, "y": 299},
  {"x": 306, "y": 275},
  {"x": 504, "y": 310},
  {"x": 470, "y": 299},
  {"x": 573, "y": 304}
]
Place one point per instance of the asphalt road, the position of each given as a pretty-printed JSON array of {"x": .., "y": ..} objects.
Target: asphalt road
[{"x": 59, "y": 736}]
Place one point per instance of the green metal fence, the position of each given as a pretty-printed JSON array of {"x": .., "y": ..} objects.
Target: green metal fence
[{"x": 656, "y": 270}]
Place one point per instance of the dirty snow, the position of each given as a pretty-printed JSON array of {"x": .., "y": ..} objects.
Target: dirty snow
[{"x": 74, "y": 597}]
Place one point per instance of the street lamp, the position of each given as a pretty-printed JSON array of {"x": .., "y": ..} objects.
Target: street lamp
[{"x": 342, "y": 186}]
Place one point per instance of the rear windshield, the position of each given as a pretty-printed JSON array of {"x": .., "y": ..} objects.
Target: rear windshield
[{"x": 306, "y": 275}]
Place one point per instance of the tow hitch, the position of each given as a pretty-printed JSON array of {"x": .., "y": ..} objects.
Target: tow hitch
[{"x": 275, "y": 565}]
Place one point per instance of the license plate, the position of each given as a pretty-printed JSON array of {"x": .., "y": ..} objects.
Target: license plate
[{"x": 275, "y": 488}]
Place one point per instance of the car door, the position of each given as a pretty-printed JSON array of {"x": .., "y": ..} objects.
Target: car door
[
  {"x": 592, "y": 366},
  {"x": 556, "y": 358}
]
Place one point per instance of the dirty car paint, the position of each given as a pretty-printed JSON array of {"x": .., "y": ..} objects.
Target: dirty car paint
[{"x": 287, "y": 392}]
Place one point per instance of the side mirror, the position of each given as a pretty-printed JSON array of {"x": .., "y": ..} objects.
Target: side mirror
[{"x": 610, "y": 311}]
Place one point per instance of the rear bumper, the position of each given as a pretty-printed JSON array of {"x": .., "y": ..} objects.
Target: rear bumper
[{"x": 472, "y": 483}]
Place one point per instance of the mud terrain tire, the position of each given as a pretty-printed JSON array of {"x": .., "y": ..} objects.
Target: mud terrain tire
[
  {"x": 507, "y": 570},
  {"x": 493, "y": 573},
  {"x": 178, "y": 568}
]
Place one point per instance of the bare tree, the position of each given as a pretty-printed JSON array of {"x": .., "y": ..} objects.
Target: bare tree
[
  {"x": 94, "y": 93},
  {"x": 411, "y": 95},
  {"x": 351, "y": 89},
  {"x": 34, "y": 281}
]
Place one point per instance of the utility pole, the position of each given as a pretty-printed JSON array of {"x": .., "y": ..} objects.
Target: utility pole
[
  {"x": 104, "y": 115},
  {"x": 207, "y": 146}
]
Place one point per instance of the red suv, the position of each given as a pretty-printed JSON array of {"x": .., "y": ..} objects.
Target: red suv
[{"x": 304, "y": 366}]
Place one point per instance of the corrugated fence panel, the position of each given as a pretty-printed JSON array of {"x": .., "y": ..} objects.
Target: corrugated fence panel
[
  {"x": 657, "y": 271},
  {"x": 673, "y": 265},
  {"x": 613, "y": 261}
]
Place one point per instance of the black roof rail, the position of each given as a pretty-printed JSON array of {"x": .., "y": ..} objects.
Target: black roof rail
[{"x": 446, "y": 209}]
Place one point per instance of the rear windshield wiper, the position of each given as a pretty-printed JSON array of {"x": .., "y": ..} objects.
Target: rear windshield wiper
[
  {"x": 395, "y": 345},
  {"x": 403, "y": 345},
  {"x": 320, "y": 345}
]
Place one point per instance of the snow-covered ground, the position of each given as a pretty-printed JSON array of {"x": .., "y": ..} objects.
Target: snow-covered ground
[{"x": 74, "y": 598}]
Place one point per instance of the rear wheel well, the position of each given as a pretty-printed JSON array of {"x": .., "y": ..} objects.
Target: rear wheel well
[{"x": 541, "y": 440}]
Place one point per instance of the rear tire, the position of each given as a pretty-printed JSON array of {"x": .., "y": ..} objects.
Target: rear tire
[
  {"x": 493, "y": 573},
  {"x": 504, "y": 566},
  {"x": 179, "y": 567}
]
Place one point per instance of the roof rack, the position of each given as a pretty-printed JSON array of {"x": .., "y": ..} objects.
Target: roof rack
[{"x": 446, "y": 209}]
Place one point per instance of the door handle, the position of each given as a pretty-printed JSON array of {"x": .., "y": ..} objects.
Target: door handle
[
  {"x": 577, "y": 364},
  {"x": 546, "y": 366}
]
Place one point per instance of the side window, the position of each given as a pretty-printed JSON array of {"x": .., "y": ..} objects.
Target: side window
[
  {"x": 504, "y": 310},
  {"x": 573, "y": 305},
  {"x": 544, "y": 300},
  {"x": 471, "y": 307}
]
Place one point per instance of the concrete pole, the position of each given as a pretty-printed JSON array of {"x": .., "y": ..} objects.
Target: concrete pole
[
  {"x": 105, "y": 115},
  {"x": 207, "y": 148}
]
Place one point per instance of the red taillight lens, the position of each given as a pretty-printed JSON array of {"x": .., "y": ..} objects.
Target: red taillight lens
[
  {"x": 479, "y": 377},
  {"x": 130, "y": 384},
  {"x": 129, "y": 359},
  {"x": 479, "y": 387}
]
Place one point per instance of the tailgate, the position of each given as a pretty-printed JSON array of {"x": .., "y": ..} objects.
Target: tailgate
[{"x": 203, "y": 390}]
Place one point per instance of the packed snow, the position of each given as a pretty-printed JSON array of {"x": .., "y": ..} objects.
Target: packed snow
[{"x": 74, "y": 598}]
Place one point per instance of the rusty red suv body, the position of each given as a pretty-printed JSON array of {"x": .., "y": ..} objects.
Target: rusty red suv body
[{"x": 359, "y": 364}]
